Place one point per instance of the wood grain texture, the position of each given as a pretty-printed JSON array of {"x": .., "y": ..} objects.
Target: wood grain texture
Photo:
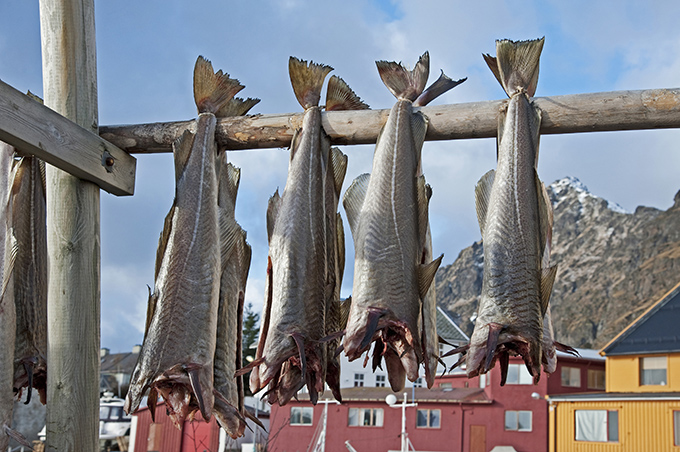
[
  {"x": 70, "y": 87},
  {"x": 594, "y": 112},
  {"x": 37, "y": 130}
]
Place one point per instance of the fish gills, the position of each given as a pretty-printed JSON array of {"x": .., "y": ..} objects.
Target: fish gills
[
  {"x": 289, "y": 354},
  {"x": 30, "y": 277},
  {"x": 176, "y": 360},
  {"x": 387, "y": 213},
  {"x": 515, "y": 219}
]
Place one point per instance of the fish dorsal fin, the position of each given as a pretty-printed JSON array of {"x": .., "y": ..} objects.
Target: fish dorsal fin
[
  {"x": 535, "y": 128},
  {"x": 339, "y": 96},
  {"x": 11, "y": 251},
  {"x": 163, "y": 239},
  {"x": 482, "y": 197},
  {"x": 353, "y": 200},
  {"x": 344, "y": 311},
  {"x": 419, "y": 124},
  {"x": 272, "y": 212},
  {"x": 150, "y": 310},
  {"x": 518, "y": 63},
  {"x": 236, "y": 107},
  {"x": 439, "y": 87},
  {"x": 547, "y": 281},
  {"x": 401, "y": 82},
  {"x": 230, "y": 233},
  {"x": 545, "y": 219},
  {"x": 212, "y": 89},
  {"x": 43, "y": 176},
  {"x": 423, "y": 193},
  {"x": 181, "y": 149},
  {"x": 426, "y": 274},
  {"x": 245, "y": 254},
  {"x": 340, "y": 241},
  {"x": 230, "y": 177},
  {"x": 339, "y": 165},
  {"x": 307, "y": 80}
]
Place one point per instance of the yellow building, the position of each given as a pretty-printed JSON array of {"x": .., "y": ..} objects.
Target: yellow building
[{"x": 640, "y": 410}]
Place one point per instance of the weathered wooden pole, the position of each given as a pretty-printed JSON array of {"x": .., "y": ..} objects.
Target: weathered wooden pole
[
  {"x": 574, "y": 113},
  {"x": 70, "y": 88}
]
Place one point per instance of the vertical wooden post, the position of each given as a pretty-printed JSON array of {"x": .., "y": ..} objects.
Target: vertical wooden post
[{"x": 70, "y": 88}]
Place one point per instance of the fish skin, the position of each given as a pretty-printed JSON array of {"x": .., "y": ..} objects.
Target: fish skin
[
  {"x": 387, "y": 212},
  {"x": 511, "y": 306},
  {"x": 176, "y": 360},
  {"x": 30, "y": 277},
  {"x": 7, "y": 308},
  {"x": 295, "y": 306}
]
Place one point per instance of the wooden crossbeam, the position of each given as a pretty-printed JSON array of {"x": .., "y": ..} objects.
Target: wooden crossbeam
[
  {"x": 37, "y": 130},
  {"x": 595, "y": 112}
]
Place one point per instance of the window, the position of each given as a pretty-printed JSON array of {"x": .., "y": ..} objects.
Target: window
[
  {"x": 418, "y": 383},
  {"x": 428, "y": 418},
  {"x": 365, "y": 417},
  {"x": 445, "y": 385},
  {"x": 653, "y": 370},
  {"x": 379, "y": 381},
  {"x": 597, "y": 425},
  {"x": 358, "y": 380},
  {"x": 484, "y": 380},
  {"x": 518, "y": 375},
  {"x": 596, "y": 379},
  {"x": 571, "y": 377},
  {"x": 676, "y": 427},
  {"x": 519, "y": 421},
  {"x": 301, "y": 415}
]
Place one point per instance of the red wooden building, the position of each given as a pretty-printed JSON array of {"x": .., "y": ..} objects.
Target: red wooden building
[{"x": 458, "y": 414}]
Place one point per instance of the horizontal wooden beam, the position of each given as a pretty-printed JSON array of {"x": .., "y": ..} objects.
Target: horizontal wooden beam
[
  {"x": 35, "y": 129},
  {"x": 596, "y": 112}
]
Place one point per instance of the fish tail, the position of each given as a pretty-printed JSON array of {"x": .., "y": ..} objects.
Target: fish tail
[
  {"x": 439, "y": 87},
  {"x": 340, "y": 96},
  {"x": 307, "y": 80},
  {"x": 401, "y": 82},
  {"x": 212, "y": 89},
  {"x": 236, "y": 107},
  {"x": 516, "y": 65}
]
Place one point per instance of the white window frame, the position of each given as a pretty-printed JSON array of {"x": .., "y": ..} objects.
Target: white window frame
[
  {"x": 652, "y": 364},
  {"x": 301, "y": 410},
  {"x": 358, "y": 380},
  {"x": 596, "y": 426},
  {"x": 515, "y": 424},
  {"x": 376, "y": 417},
  {"x": 428, "y": 417},
  {"x": 571, "y": 377},
  {"x": 380, "y": 381},
  {"x": 676, "y": 427}
]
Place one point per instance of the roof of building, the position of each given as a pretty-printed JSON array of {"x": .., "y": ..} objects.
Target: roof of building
[
  {"x": 447, "y": 328},
  {"x": 655, "y": 331},
  {"x": 434, "y": 395},
  {"x": 119, "y": 362},
  {"x": 613, "y": 396},
  {"x": 584, "y": 353}
]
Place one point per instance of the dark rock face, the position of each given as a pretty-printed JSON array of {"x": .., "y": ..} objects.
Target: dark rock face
[{"x": 612, "y": 265}]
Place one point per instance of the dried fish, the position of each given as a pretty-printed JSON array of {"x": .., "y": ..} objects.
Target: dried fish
[{"x": 388, "y": 215}]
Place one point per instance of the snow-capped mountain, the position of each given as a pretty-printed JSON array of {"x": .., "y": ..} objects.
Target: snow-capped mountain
[{"x": 612, "y": 265}]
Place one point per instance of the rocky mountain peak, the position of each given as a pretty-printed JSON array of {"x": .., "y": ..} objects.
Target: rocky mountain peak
[{"x": 612, "y": 265}]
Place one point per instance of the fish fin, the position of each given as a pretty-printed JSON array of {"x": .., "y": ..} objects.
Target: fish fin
[
  {"x": 28, "y": 367},
  {"x": 401, "y": 82},
  {"x": 300, "y": 342},
  {"x": 423, "y": 194},
  {"x": 152, "y": 401},
  {"x": 245, "y": 256},
  {"x": 163, "y": 239},
  {"x": 504, "y": 360},
  {"x": 566, "y": 349},
  {"x": 230, "y": 178},
  {"x": 482, "y": 196},
  {"x": 340, "y": 243},
  {"x": 236, "y": 107},
  {"x": 547, "y": 281},
  {"x": 212, "y": 89},
  {"x": 18, "y": 437},
  {"x": 396, "y": 374},
  {"x": 518, "y": 63},
  {"x": 436, "y": 89},
  {"x": 181, "y": 149},
  {"x": 307, "y": 80},
  {"x": 195, "y": 372},
  {"x": 378, "y": 351},
  {"x": 344, "y": 311},
  {"x": 272, "y": 212},
  {"x": 11, "y": 251},
  {"x": 419, "y": 124},
  {"x": 256, "y": 420},
  {"x": 228, "y": 416},
  {"x": 545, "y": 218},
  {"x": 492, "y": 62},
  {"x": 374, "y": 316},
  {"x": 339, "y": 96},
  {"x": 426, "y": 273},
  {"x": 354, "y": 199},
  {"x": 339, "y": 165}
]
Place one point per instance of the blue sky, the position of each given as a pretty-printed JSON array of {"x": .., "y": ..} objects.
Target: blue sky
[{"x": 146, "y": 51}]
